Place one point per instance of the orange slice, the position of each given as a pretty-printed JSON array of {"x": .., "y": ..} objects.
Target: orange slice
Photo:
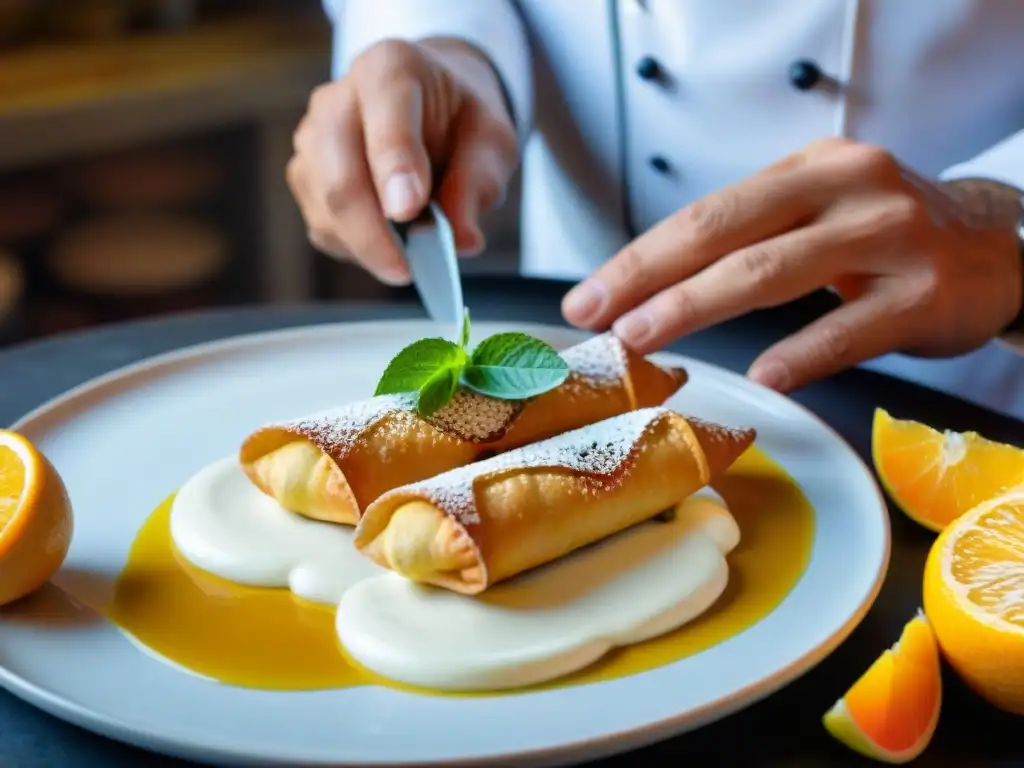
[
  {"x": 35, "y": 518},
  {"x": 974, "y": 596},
  {"x": 891, "y": 712},
  {"x": 934, "y": 477}
]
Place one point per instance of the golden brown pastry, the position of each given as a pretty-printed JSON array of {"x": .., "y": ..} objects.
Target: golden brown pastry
[
  {"x": 477, "y": 525},
  {"x": 330, "y": 466}
]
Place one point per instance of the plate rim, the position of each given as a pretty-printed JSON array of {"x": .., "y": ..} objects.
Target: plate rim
[{"x": 606, "y": 744}]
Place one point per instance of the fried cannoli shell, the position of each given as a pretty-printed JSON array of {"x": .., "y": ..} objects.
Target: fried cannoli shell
[
  {"x": 478, "y": 525},
  {"x": 330, "y": 466}
]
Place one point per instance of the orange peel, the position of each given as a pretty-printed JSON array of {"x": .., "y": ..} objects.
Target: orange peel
[
  {"x": 974, "y": 596},
  {"x": 934, "y": 477},
  {"x": 890, "y": 714},
  {"x": 36, "y": 521}
]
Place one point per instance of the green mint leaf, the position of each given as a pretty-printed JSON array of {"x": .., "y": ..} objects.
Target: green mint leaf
[
  {"x": 464, "y": 336},
  {"x": 514, "y": 366},
  {"x": 438, "y": 390},
  {"x": 413, "y": 367}
]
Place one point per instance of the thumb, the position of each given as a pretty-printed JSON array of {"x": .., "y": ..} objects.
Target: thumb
[
  {"x": 395, "y": 152},
  {"x": 476, "y": 175}
]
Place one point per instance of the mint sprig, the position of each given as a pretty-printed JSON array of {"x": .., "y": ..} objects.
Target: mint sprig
[
  {"x": 464, "y": 331},
  {"x": 514, "y": 366},
  {"x": 507, "y": 366},
  {"x": 418, "y": 363},
  {"x": 438, "y": 390}
]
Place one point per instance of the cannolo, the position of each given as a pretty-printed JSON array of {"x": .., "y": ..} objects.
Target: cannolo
[
  {"x": 331, "y": 465},
  {"x": 480, "y": 524}
]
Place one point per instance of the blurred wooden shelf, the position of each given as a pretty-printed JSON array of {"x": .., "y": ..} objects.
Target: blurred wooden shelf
[
  {"x": 65, "y": 99},
  {"x": 61, "y": 100}
]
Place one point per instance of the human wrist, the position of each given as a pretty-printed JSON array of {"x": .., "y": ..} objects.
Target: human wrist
[
  {"x": 475, "y": 71},
  {"x": 995, "y": 205},
  {"x": 988, "y": 204}
]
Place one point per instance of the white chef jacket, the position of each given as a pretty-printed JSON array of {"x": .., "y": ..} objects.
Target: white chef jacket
[{"x": 608, "y": 152}]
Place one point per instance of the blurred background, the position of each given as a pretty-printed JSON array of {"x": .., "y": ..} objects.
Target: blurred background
[{"x": 142, "y": 154}]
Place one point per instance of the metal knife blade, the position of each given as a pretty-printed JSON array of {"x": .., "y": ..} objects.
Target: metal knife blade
[{"x": 430, "y": 252}]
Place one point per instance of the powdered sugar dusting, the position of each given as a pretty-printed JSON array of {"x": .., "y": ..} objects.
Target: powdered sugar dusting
[
  {"x": 600, "y": 361},
  {"x": 600, "y": 453},
  {"x": 338, "y": 430},
  {"x": 718, "y": 434},
  {"x": 597, "y": 362}
]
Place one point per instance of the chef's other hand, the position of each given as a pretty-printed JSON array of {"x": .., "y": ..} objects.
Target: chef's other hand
[
  {"x": 365, "y": 150},
  {"x": 919, "y": 270}
]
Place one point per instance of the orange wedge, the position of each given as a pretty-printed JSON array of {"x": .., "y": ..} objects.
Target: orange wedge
[
  {"x": 974, "y": 596},
  {"x": 934, "y": 477},
  {"x": 35, "y": 518},
  {"x": 891, "y": 712}
]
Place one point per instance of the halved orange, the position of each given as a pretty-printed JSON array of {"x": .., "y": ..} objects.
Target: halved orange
[
  {"x": 934, "y": 477},
  {"x": 890, "y": 714},
  {"x": 974, "y": 597},
  {"x": 35, "y": 518}
]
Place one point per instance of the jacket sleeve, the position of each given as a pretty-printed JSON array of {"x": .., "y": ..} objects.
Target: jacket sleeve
[
  {"x": 493, "y": 26},
  {"x": 1003, "y": 163}
]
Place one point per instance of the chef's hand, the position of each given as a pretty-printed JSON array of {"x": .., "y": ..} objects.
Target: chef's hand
[
  {"x": 838, "y": 214},
  {"x": 366, "y": 146}
]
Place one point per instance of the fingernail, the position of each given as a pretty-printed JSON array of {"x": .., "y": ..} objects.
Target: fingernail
[
  {"x": 584, "y": 302},
  {"x": 401, "y": 195},
  {"x": 771, "y": 374},
  {"x": 634, "y": 328},
  {"x": 474, "y": 243},
  {"x": 470, "y": 253},
  {"x": 396, "y": 276}
]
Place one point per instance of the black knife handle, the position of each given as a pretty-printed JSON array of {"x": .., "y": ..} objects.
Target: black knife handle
[{"x": 401, "y": 228}]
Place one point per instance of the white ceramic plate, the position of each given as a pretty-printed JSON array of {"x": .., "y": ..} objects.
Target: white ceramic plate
[{"x": 125, "y": 441}]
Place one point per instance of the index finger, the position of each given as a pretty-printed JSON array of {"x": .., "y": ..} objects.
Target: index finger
[
  {"x": 341, "y": 197},
  {"x": 392, "y": 112},
  {"x": 760, "y": 207}
]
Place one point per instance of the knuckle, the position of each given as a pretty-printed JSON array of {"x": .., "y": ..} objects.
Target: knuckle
[
  {"x": 872, "y": 162},
  {"x": 320, "y": 96},
  {"x": 834, "y": 342},
  {"x": 704, "y": 219},
  {"x": 928, "y": 287},
  {"x": 492, "y": 130},
  {"x": 911, "y": 312},
  {"x": 299, "y": 135},
  {"x": 490, "y": 192},
  {"x": 629, "y": 269},
  {"x": 902, "y": 218},
  {"x": 828, "y": 145},
  {"x": 896, "y": 225},
  {"x": 327, "y": 102},
  {"x": 293, "y": 174},
  {"x": 393, "y": 139},
  {"x": 399, "y": 85},
  {"x": 322, "y": 239},
  {"x": 340, "y": 194},
  {"x": 384, "y": 60},
  {"x": 503, "y": 138},
  {"x": 679, "y": 306},
  {"x": 329, "y": 244},
  {"x": 760, "y": 264},
  {"x": 903, "y": 212},
  {"x": 337, "y": 198},
  {"x": 394, "y": 144}
]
